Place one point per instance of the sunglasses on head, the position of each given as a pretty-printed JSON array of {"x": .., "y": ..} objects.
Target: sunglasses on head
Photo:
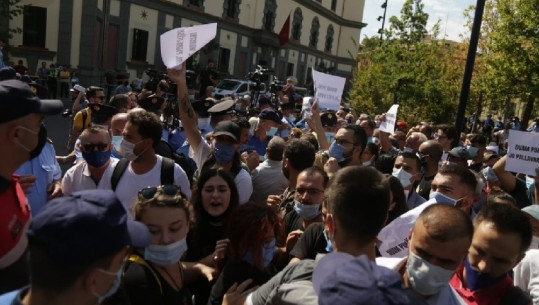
[
  {"x": 150, "y": 191},
  {"x": 95, "y": 146}
]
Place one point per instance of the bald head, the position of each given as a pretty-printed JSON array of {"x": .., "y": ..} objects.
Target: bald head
[
  {"x": 117, "y": 124},
  {"x": 433, "y": 149}
]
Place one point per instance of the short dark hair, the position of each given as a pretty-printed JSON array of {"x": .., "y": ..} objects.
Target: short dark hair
[
  {"x": 494, "y": 197},
  {"x": 477, "y": 139},
  {"x": 47, "y": 275},
  {"x": 312, "y": 139},
  {"x": 449, "y": 131},
  {"x": 409, "y": 155},
  {"x": 242, "y": 122},
  {"x": 358, "y": 196},
  {"x": 399, "y": 198},
  {"x": 276, "y": 148},
  {"x": 311, "y": 171},
  {"x": 457, "y": 170},
  {"x": 300, "y": 154},
  {"x": 92, "y": 90},
  {"x": 120, "y": 101},
  {"x": 445, "y": 222},
  {"x": 507, "y": 219},
  {"x": 148, "y": 123},
  {"x": 360, "y": 137},
  {"x": 384, "y": 163}
]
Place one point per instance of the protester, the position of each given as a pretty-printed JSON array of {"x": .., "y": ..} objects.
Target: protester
[{"x": 408, "y": 170}]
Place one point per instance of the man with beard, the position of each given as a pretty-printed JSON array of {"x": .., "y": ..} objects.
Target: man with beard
[{"x": 346, "y": 149}]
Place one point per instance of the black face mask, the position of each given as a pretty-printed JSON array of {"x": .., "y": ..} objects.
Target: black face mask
[{"x": 42, "y": 139}]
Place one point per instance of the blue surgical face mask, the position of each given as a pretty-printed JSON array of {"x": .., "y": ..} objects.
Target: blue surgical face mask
[
  {"x": 165, "y": 255},
  {"x": 268, "y": 252},
  {"x": 116, "y": 146},
  {"x": 370, "y": 140},
  {"x": 307, "y": 211},
  {"x": 330, "y": 136},
  {"x": 336, "y": 151},
  {"x": 476, "y": 279},
  {"x": 441, "y": 198},
  {"x": 115, "y": 284},
  {"x": 329, "y": 246},
  {"x": 271, "y": 132},
  {"x": 408, "y": 149},
  {"x": 223, "y": 152},
  {"x": 472, "y": 151}
]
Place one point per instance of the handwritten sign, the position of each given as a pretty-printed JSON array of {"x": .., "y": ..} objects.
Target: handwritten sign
[
  {"x": 523, "y": 152},
  {"x": 179, "y": 44},
  {"x": 328, "y": 90},
  {"x": 391, "y": 118}
]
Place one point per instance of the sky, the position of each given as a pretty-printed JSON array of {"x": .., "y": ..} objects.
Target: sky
[{"x": 450, "y": 13}]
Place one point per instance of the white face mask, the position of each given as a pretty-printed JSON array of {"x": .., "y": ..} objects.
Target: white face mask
[
  {"x": 426, "y": 278},
  {"x": 404, "y": 177},
  {"x": 128, "y": 150}
]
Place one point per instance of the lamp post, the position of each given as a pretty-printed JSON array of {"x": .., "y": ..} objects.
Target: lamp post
[{"x": 383, "y": 18}]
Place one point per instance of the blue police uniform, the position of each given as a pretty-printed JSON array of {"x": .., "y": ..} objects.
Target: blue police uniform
[{"x": 46, "y": 170}]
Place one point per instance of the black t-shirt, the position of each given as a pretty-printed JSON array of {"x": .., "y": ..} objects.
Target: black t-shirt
[
  {"x": 202, "y": 240},
  {"x": 145, "y": 286},
  {"x": 311, "y": 242},
  {"x": 237, "y": 272},
  {"x": 520, "y": 193},
  {"x": 292, "y": 222}
]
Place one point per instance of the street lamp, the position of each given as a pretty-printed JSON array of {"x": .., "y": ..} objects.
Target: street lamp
[{"x": 383, "y": 18}]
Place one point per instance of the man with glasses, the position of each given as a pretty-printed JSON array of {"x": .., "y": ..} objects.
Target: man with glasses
[
  {"x": 83, "y": 118},
  {"x": 96, "y": 147},
  {"x": 346, "y": 149},
  {"x": 310, "y": 187},
  {"x": 446, "y": 135}
]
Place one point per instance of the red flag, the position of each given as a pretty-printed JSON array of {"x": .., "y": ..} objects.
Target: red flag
[{"x": 285, "y": 32}]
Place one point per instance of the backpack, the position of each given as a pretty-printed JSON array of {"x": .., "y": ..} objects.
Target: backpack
[
  {"x": 167, "y": 172},
  {"x": 164, "y": 149}
]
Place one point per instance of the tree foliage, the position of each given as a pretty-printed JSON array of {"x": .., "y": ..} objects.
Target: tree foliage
[{"x": 409, "y": 67}]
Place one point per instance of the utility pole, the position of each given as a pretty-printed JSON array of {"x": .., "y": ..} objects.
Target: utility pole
[{"x": 383, "y": 18}]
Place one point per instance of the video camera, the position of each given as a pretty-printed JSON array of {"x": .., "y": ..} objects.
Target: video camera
[
  {"x": 276, "y": 85},
  {"x": 260, "y": 75}
]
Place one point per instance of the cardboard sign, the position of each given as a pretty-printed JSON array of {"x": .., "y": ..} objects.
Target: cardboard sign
[
  {"x": 391, "y": 118},
  {"x": 523, "y": 152},
  {"x": 328, "y": 90},
  {"x": 179, "y": 44}
]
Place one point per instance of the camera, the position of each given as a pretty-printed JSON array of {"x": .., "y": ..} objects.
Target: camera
[
  {"x": 261, "y": 74},
  {"x": 276, "y": 85}
]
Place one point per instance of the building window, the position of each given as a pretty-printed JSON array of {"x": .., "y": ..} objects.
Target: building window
[
  {"x": 140, "y": 45},
  {"x": 224, "y": 58},
  {"x": 34, "y": 26},
  {"x": 333, "y": 5},
  {"x": 315, "y": 30},
  {"x": 297, "y": 24},
  {"x": 196, "y": 2},
  {"x": 329, "y": 39},
  {"x": 269, "y": 15},
  {"x": 231, "y": 9},
  {"x": 290, "y": 69}
]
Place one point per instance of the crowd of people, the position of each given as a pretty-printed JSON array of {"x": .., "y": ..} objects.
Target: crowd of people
[{"x": 169, "y": 200}]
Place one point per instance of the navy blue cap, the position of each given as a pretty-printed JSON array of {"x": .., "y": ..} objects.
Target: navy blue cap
[
  {"x": 340, "y": 278},
  {"x": 329, "y": 119},
  {"x": 17, "y": 100},
  {"x": 102, "y": 113},
  {"x": 86, "y": 226},
  {"x": 272, "y": 115}
]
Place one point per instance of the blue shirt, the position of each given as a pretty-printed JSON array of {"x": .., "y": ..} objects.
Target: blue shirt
[
  {"x": 2, "y": 64},
  {"x": 259, "y": 146},
  {"x": 46, "y": 170}
]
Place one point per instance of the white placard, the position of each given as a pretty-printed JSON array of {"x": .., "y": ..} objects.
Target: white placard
[
  {"x": 523, "y": 152},
  {"x": 391, "y": 118},
  {"x": 328, "y": 90},
  {"x": 178, "y": 44}
]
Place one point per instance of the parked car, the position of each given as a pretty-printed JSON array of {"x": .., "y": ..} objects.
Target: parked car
[{"x": 235, "y": 88}]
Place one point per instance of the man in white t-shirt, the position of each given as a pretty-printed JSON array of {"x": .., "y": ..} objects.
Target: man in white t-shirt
[
  {"x": 142, "y": 133},
  {"x": 95, "y": 146},
  {"x": 438, "y": 244}
]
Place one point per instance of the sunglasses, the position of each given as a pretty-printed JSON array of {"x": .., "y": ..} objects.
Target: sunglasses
[
  {"x": 150, "y": 191},
  {"x": 95, "y": 146}
]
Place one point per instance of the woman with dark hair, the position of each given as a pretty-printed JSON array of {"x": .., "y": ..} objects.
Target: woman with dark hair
[
  {"x": 370, "y": 154},
  {"x": 213, "y": 200},
  {"x": 397, "y": 205},
  {"x": 253, "y": 230}
]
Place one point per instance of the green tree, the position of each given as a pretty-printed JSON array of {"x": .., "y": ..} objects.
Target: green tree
[{"x": 419, "y": 73}]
